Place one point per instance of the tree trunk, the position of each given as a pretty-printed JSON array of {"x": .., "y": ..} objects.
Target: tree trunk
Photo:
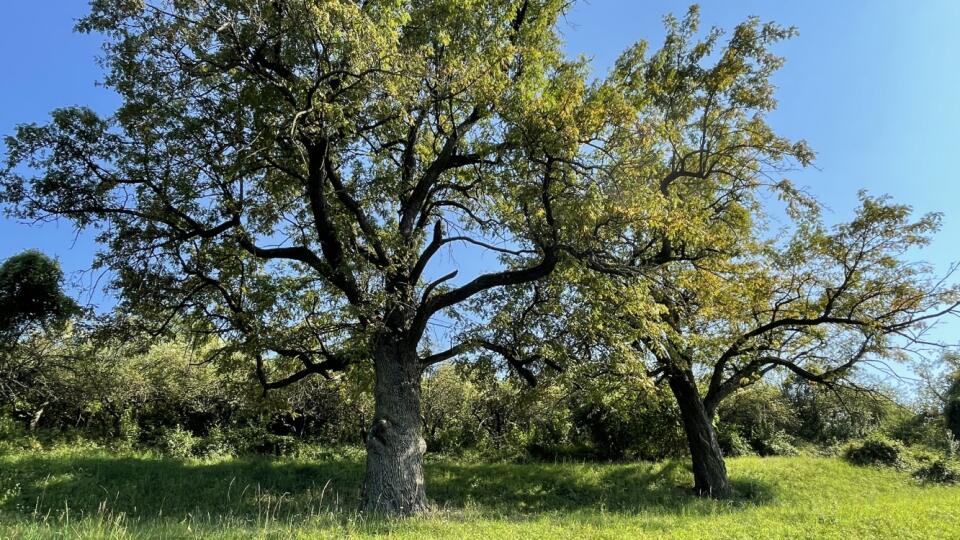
[
  {"x": 709, "y": 470},
  {"x": 393, "y": 483},
  {"x": 35, "y": 420}
]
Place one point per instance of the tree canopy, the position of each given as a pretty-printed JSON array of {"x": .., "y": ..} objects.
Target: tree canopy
[
  {"x": 31, "y": 294},
  {"x": 284, "y": 174}
]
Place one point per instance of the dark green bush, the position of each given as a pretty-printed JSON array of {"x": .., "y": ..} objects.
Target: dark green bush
[
  {"x": 258, "y": 441},
  {"x": 733, "y": 444},
  {"x": 951, "y": 410},
  {"x": 508, "y": 419},
  {"x": 219, "y": 442},
  {"x": 874, "y": 451},
  {"x": 777, "y": 443},
  {"x": 634, "y": 425},
  {"x": 447, "y": 402},
  {"x": 827, "y": 416},
  {"x": 937, "y": 471},
  {"x": 761, "y": 418},
  {"x": 923, "y": 428}
]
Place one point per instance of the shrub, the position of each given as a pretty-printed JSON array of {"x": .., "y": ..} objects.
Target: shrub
[
  {"x": 217, "y": 443},
  {"x": 874, "y": 451},
  {"x": 629, "y": 425},
  {"x": 277, "y": 445},
  {"x": 830, "y": 416},
  {"x": 733, "y": 444},
  {"x": 777, "y": 443},
  {"x": 922, "y": 428},
  {"x": 938, "y": 471},
  {"x": 511, "y": 420},
  {"x": 257, "y": 440},
  {"x": 128, "y": 430},
  {"x": 13, "y": 437},
  {"x": 9, "y": 429},
  {"x": 176, "y": 442},
  {"x": 448, "y": 399},
  {"x": 762, "y": 418},
  {"x": 951, "y": 445}
]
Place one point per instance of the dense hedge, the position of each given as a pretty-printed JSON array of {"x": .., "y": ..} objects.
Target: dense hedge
[{"x": 167, "y": 398}]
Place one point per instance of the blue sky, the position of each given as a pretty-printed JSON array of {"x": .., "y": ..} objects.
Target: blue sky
[{"x": 872, "y": 86}]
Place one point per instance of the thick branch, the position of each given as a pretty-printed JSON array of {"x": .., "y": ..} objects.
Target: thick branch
[{"x": 432, "y": 305}]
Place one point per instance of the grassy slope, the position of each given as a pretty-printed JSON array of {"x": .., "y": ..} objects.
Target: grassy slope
[{"x": 95, "y": 493}]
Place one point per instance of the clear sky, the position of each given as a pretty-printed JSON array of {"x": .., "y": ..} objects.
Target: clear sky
[{"x": 873, "y": 86}]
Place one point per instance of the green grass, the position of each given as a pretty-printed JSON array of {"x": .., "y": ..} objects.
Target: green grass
[{"x": 94, "y": 493}]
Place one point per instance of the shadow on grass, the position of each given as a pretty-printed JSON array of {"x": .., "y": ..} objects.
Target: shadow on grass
[
  {"x": 250, "y": 489},
  {"x": 534, "y": 488}
]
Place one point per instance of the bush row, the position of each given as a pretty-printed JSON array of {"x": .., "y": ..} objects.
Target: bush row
[{"x": 168, "y": 399}]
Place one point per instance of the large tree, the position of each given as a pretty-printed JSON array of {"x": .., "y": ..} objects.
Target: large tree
[{"x": 294, "y": 175}]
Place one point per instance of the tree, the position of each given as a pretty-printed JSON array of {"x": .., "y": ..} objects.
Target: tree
[
  {"x": 817, "y": 307},
  {"x": 33, "y": 303},
  {"x": 940, "y": 388},
  {"x": 31, "y": 294},
  {"x": 285, "y": 174},
  {"x": 724, "y": 300},
  {"x": 707, "y": 156},
  {"x": 951, "y": 407}
]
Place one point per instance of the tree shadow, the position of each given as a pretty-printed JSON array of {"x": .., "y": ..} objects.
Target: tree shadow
[
  {"x": 248, "y": 489},
  {"x": 622, "y": 488}
]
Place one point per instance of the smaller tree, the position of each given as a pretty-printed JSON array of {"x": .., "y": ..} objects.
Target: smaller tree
[
  {"x": 951, "y": 410},
  {"x": 940, "y": 391},
  {"x": 31, "y": 294},
  {"x": 818, "y": 307},
  {"x": 32, "y": 303}
]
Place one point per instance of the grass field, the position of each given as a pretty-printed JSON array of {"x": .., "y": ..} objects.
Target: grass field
[{"x": 94, "y": 493}]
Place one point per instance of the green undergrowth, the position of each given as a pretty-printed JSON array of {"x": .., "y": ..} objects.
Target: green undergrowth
[{"x": 91, "y": 492}]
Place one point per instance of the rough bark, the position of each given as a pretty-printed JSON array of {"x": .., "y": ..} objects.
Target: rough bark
[
  {"x": 393, "y": 483},
  {"x": 709, "y": 469}
]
